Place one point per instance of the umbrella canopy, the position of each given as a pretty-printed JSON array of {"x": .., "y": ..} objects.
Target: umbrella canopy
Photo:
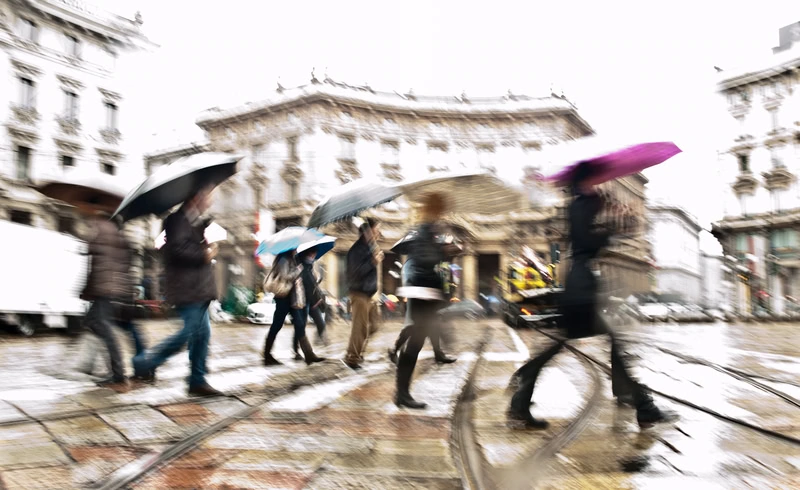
[
  {"x": 618, "y": 163},
  {"x": 323, "y": 246},
  {"x": 288, "y": 239},
  {"x": 403, "y": 246},
  {"x": 350, "y": 199},
  {"x": 176, "y": 182},
  {"x": 85, "y": 191},
  {"x": 466, "y": 192}
]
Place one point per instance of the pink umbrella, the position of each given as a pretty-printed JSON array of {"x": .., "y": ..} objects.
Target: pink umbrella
[{"x": 620, "y": 163}]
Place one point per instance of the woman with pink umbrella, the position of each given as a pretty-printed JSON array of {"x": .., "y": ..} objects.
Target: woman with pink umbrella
[{"x": 579, "y": 308}]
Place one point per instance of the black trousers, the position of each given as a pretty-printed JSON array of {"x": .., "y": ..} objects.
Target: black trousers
[
  {"x": 424, "y": 317},
  {"x": 434, "y": 333},
  {"x": 100, "y": 320},
  {"x": 622, "y": 383}
]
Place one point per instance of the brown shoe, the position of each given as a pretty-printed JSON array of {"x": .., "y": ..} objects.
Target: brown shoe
[{"x": 204, "y": 390}]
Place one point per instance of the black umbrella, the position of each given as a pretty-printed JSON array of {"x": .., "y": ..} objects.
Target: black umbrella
[
  {"x": 350, "y": 199},
  {"x": 173, "y": 184}
]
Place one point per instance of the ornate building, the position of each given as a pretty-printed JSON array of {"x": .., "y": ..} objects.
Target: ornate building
[
  {"x": 304, "y": 142},
  {"x": 762, "y": 162},
  {"x": 61, "y": 102}
]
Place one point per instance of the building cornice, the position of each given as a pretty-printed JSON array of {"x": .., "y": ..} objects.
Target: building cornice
[
  {"x": 756, "y": 76},
  {"x": 393, "y": 103},
  {"x": 124, "y": 32},
  {"x": 677, "y": 211}
]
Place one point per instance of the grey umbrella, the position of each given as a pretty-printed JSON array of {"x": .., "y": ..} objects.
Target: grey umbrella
[
  {"x": 173, "y": 184},
  {"x": 350, "y": 199},
  {"x": 362, "y": 194}
]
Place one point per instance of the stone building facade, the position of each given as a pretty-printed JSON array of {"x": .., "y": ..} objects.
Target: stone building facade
[
  {"x": 675, "y": 235},
  {"x": 304, "y": 142},
  {"x": 61, "y": 104},
  {"x": 761, "y": 163}
]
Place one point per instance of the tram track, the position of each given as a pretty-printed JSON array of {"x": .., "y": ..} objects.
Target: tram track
[
  {"x": 478, "y": 474},
  {"x": 762, "y": 430}
]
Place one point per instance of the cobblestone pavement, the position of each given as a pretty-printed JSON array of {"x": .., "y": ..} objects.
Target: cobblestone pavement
[{"x": 325, "y": 426}]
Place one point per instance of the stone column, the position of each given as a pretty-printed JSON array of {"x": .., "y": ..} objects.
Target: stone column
[{"x": 470, "y": 275}]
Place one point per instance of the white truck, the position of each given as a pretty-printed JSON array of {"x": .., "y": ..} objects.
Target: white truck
[{"x": 42, "y": 273}]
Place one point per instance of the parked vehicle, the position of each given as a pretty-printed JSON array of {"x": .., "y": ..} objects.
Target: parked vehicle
[
  {"x": 261, "y": 313},
  {"x": 44, "y": 272}
]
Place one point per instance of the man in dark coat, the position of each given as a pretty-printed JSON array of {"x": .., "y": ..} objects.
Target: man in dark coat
[
  {"x": 580, "y": 316},
  {"x": 110, "y": 289},
  {"x": 362, "y": 275},
  {"x": 425, "y": 295},
  {"x": 190, "y": 288}
]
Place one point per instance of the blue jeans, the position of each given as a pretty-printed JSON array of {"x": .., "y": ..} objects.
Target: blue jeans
[
  {"x": 136, "y": 335},
  {"x": 196, "y": 333},
  {"x": 283, "y": 307}
]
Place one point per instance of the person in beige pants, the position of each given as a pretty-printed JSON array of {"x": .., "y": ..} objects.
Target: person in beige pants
[{"x": 363, "y": 259}]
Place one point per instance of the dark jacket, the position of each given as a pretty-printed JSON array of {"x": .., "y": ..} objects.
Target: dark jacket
[
  {"x": 362, "y": 273},
  {"x": 425, "y": 253},
  {"x": 189, "y": 277},
  {"x": 286, "y": 266},
  {"x": 580, "y": 300},
  {"x": 109, "y": 277},
  {"x": 311, "y": 285}
]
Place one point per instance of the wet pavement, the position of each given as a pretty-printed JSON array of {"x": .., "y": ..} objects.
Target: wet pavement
[{"x": 325, "y": 426}]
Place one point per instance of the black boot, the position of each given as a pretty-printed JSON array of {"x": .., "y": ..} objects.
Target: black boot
[
  {"x": 268, "y": 359},
  {"x": 441, "y": 358},
  {"x": 308, "y": 352},
  {"x": 648, "y": 414},
  {"x": 296, "y": 350},
  {"x": 402, "y": 398},
  {"x": 521, "y": 418}
]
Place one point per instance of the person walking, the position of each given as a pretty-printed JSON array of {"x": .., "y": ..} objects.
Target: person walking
[
  {"x": 405, "y": 333},
  {"x": 363, "y": 259},
  {"x": 190, "y": 287},
  {"x": 110, "y": 289},
  {"x": 425, "y": 295},
  {"x": 580, "y": 316},
  {"x": 314, "y": 297},
  {"x": 292, "y": 302}
]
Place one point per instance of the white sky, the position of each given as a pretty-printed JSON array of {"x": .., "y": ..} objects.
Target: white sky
[{"x": 631, "y": 67}]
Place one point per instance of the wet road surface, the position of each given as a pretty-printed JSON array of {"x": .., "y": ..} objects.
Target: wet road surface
[{"x": 325, "y": 426}]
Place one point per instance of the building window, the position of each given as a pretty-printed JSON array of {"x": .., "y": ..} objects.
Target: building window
[
  {"x": 72, "y": 46},
  {"x": 109, "y": 168},
  {"x": 348, "y": 145},
  {"x": 347, "y": 116},
  {"x": 773, "y": 114},
  {"x": 742, "y": 243},
  {"x": 291, "y": 144},
  {"x": 67, "y": 161},
  {"x": 259, "y": 154},
  {"x": 293, "y": 191},
  {"x": 783, "y": 239},
  {"x": 391, "y": 152},
  {"x": 29, "y": 31},
  {"x": 21, "y": 217},
  {"x": 66, "y": 225},
  {"x": 71, "y": 106},
  {"x": 292, "y": 118},
  {"x": 23, "y": 163},
  {"x": 27, "y": 93},
  {"x": 111, "y": 115},
  {"x": 744, "y": 162},
  {"x": 389, "y": 121}
]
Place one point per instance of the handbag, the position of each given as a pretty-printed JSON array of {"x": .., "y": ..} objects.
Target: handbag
[{"x": 276, "y": 284}]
